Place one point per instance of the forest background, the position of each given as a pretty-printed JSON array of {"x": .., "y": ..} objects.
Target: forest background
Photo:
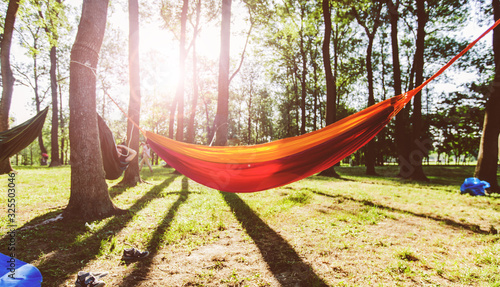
[{"x": 277, "y": 87}]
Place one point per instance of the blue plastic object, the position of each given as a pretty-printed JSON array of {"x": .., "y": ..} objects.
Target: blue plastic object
[
  {"x": 25, "y": 275},
  {"x": 474, "y": 186}
]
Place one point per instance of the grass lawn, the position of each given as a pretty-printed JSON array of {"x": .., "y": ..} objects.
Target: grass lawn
[{"x": 353, "y": 231}]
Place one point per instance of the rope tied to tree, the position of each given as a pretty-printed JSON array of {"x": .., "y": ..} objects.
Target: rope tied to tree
[{"x": 94, "y": 71}]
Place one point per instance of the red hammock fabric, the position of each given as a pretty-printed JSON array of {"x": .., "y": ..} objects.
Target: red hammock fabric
[
  {"x": 261, "y": 167},
  {"x": 265, "y": 166}
]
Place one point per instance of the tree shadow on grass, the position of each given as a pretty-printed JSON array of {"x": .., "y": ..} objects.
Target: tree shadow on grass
[
  {"x": 147, "y": 175},
  {"x": 119, "y": 188},
  {"x": 116, "y": 190},
  {"x": 319, "y": 177},
  {"x": 41, "y": 218},
  {"x": 460, "y": 225},
  {"x": 283, "y": 261},
  {"x": 144, "y": 266},
  {"x": 157, "y": 171},
  {"x": 451, "y": 183},
  {"x": 64, "y": 246}
]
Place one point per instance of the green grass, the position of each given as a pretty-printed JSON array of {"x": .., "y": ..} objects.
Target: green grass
[{"x": 353, "y": 231}]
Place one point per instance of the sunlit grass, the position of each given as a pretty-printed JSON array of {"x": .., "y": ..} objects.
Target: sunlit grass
[{"x": 368, "y": 230}]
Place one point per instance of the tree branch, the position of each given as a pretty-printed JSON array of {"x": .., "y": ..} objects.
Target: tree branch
[{"x": 244, "y": 48}]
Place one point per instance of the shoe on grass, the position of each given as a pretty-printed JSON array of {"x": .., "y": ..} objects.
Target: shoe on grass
[
  {"x": 94, "y": 282},
  {"x": 90, "y": 279},
  {"x": 80, "y": 278},
  {"x": 134, "y": 254}
]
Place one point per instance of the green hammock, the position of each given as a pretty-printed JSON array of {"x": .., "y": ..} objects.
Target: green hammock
[
  {"x": 111, "y": 160},
  {"x": 16, "y": 139}
]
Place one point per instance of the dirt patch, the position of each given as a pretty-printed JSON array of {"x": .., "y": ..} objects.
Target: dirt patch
[{"x": 230, "y": 260}]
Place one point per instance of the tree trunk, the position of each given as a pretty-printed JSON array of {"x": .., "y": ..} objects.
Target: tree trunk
[
  {"x": 89, "y": 198},
  {"x": 178, "y": 102},
  {"x": 370, "y": 147},
  {"x": 401, "y": 135},
  {"x": 63, "y": 159},
  {"x": 194, "y": 102},
  {"x": 132, "y": 176},
  {"x": 415, "y": 158},
  {"x": 331, "y": 81},
  {"x": 210, "y": 133},
  {"x": 54, "y": 134},
  {"x": 296, "y": 103},
  {"x": 487, "y": 162},
  {"x": 38, "y": 101},
  {"x": 336, "y": 49},
  {"x": 250, "y": 117},
  {"x": 7, "y": 76},
  {"x": 315, "y": 92},
  {"x": 370, "y": 150},
  {"x": 182, "y": 66},
  {"x": 303, "y": 77},
  {"x": 222, "y": 116},
  {"x": 171, "y": 122},
  {"x": 303, "y": 90}
]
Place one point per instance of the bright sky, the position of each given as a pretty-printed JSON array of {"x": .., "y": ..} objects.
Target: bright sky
[{"x": 152, "y": 38}]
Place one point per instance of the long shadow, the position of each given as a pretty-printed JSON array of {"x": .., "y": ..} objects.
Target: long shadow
[
  {"x": 326, "y": 178},
  {"x": 460, "y": 225},
  {"x": 71, "y": 254},
  {"x": 283, "y": 261},
  {"x": 120, "y": 188},
  {"x": 116, "y": 190},
  {"x": 143, "y": 267},
  {"x": 395, "y": 180},
  {"x": 41, "y": 218}
]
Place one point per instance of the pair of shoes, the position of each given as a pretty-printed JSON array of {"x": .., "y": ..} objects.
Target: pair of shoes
[
  {"x": 89, "y": 279},
  {"x": 134, "y": 254}
]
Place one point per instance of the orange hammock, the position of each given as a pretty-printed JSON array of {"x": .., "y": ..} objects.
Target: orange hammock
[{"x": 265, "y": 166}]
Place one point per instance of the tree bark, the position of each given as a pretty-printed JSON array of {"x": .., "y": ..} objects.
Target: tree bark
[
  {"x": 315, "y": 89},
  {"x": 370, "y": 147},
  {"x": 178, "y": 102},
  {"x": 370, "y": 150},
  {"x": 38, "y": 101},
  {"x": 7, "y": 76},
  {"x": 331, "y": 80},
  {"x": 182, "y": 66},
  {"x": 222, "y": 116},
  {"x": 415, "y": 158},
  {"x": 250, "y": 117},
  {"x": 194, "y": 101},
  {"x": 401, "y": 135},
  {"x": 54, "y": 134},
  {"x": 487, "y": 162},
  {"x": 132, "y": 175},
  {"x": 303, "y": 76},
  {"x": 89, "y": 198},
  {"x": 63, "y": 159}
]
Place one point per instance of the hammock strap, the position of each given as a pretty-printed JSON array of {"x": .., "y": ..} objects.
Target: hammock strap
[
  {"x": 128, "y": 145},
  {"x": 111, "y": 98},
  {"x": 440, "y": 71}
]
